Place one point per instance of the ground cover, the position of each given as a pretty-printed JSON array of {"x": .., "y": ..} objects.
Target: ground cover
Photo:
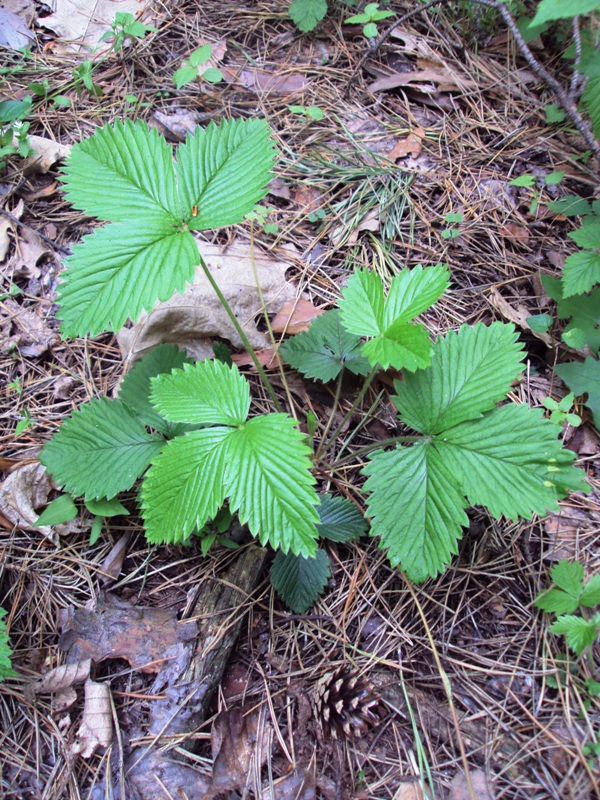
[{"x": 437, "y": 150}]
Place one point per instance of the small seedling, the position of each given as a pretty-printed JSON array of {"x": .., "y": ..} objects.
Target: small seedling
[
  {"x": 13, "y": 130},
  {"x": 26, "y": 422},
  {"x": 560, "y": 410},
  {"x": 63, "y": 509},
  {"x": 537, "y": 184},
  {"x": 16, "y": 386},
  {"x": 316, "y": 216},
  {"x": 260, "y": 214},
  {"x": 450, "y": 218},
  {"x": 83, "y": 79},
  {"x": 13, "y": 291},
  {"x": 572, "y": 593},
  {"x": 197, "y": 67},
  {"x": 369, "y": 18},
  {"x": 125, "y": 26},
  {"x": 540, "y": 323},
  {"x": 311, "y": 112}
]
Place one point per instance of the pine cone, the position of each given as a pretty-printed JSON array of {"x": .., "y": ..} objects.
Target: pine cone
[{"x": 345, "y": 703}]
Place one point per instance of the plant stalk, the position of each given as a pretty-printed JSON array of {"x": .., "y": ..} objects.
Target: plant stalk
[{"x": 365, "y": 388}]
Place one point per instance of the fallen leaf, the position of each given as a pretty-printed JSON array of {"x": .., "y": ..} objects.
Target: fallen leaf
[
  {"x": 518, "y": 313},
  {"x": 179, "y": 122},
  {"x": 63, "y": 387},
  {"x": 309, "y": 198},
  {"x": 14, "y": 33},
  {"x": 516, "y": 233},
  {"x": 64, "y": 699},
  {"x": 79, "y": 24},
  {"x": 25, "y": 490},
  {"x": 163, "y": 776},
  {"x": 112, "y": 564},
  {"x": 262, "y": 82},
  {"x": 295, "y": 317},
  {"x": 29, "y": 331},
  {"x": 5, "y": 226},
  {"x": 348, "y": 236},
  {"x": 96, "y": 725},
  {"x": 114, "y": 628},
  {"x": 565, "y": 530},
  {"x": 63, "y": 677},
  {"x": 267, "y": 358},
  {"x": 277, "y": 188},
  {"x": 410, "y": 146},
  {"x": 409, "y": 790},
  {"x": 297, "y": 785},
  {"x": 29, "y": 251},
  {"x": 459, "y": 788},
  {"x": 192, "y": 320},
  {"x": 47, "y": 153},
  {"x": 429, "y": 80}
]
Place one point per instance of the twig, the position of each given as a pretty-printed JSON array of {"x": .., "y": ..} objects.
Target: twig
[
  {"x": 576, "y": 76},
  {"x": 59, "y": 248}
]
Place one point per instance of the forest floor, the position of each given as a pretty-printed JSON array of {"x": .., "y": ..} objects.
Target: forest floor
[{"x": 471, "y": 681}]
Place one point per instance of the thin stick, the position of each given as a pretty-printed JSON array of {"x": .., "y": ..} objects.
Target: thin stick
[
  {"x": 19, "y": 224},
  {"x": 353, "y": 407}
]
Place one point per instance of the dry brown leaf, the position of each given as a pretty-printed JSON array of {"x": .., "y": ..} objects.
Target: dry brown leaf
[
  {"x": 25, "y": 490},
  {"x": 410, "y": 146},
  {"x": 517, "y": 313},
  {"x": 297, "y": 785},
  {"x": 96, "y": 725},
  {"x": 178, "y": 123},
  {"x": 564, "y": 531},
  {"x": 79, "y": 24},
  {"x": 112, "y": 564},
  {"x": 295, "y": 317},
  {"x": 14, "y": 33},
  {"x": 309, "y": 198},
  {"x": 262, "y": 82},
  {"x": 277, "y": 188},
  {"x": 459, "y": 788},
  {"x": 344, "y": 235},
  {"x": 29, "y": 332},
  {"x": 516, "y": 233},
  {"x": 5, "y": 227},
  {"x": 29, "y": 251},
  {"x": 409, "y": 790},
  {"x": 116, "y": 629},
  {"x": 63, "y": 677},
  {"x": 47, "y": 153},
  {"x": 192, "y": 320},
  {"x": 428, "y": 80},
  {"x": 64, "y": 699},
  {"x": 267, "y": 358}
]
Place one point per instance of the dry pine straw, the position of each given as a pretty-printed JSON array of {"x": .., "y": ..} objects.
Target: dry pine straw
[{"x": 495, "y": 650}]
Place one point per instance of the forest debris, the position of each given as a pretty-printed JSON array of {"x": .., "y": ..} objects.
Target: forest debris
[
  {"x": 262, "y": 82},
  {"x": 278, "y": 188},
  {"x": 459, "y": 787},
  {"x": 112, "y": 564},
  {"x": 63, "y": 677},
  {"x": 411, "y": 145},
  {"x": 47, "y": 153},
  {"x": 345, "y": 235},
  {"x": 96, "y": 725},
  {"x": 518, "y": 234},
  {"x": 297, "y": 785},
  {"x": 564, "y": 531},
  {"x": 80, "y": 24},
  {"x": 25, "y": 490},
  {"x": 162, "y": 776},
  {"x": 267, "y": 358},
  {"x": 29, "y": 331},
  {"x": 309, "y": 198},
  {"x": 113, "y": 628},
  {"x": 192, "y": 320},
  {"x": 14, "y": 33},
  {"x": 409, "y": 790},
  {"x": 430, "y": 78},
  {"x": 518, "y": 313},
  {"x": 29, "y": 250},
  {"x": 295, "y": 317}
]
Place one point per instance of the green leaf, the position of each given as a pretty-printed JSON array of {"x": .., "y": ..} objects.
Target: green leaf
[
  {"x": 523, "y": 180},
  {"x": 568, "y": 576},
  {"x": 300, "y": 581},
  {"x": 119, "y": 270},
  {"x": 582, "y": 310},
  {"x": 414, "y": 291},
  {"x": 6, "y": 670},
  {"x": 184, "y": 75},
  {"x": 306, "y": 14},
  {"x": 205, "y": 393},
  {"x": 554, "y": 178},
  {"x": 416, "y": 508},
  {"x": 402, "y": 346},
  {"x": 554, "y": 113},
  {"x": 590, "y": 100},
  {"x": 579, "y": 632},
  {"x": 100, "y": 450},
  {"x": 224, "y": 171},
  {"x": 212, "y": 75},
  {"x": 341, "y": 521},
  {"x": 12, "y": 110},
  {"x": 63, "y": 509},
  {"x": 562, "y": 9},
  {"x": 362, "y": 304},
  {"x": 581, "y": 271},
  {"x": 370, "y": 30},
  {"x": 571, "y": 206},
  {"x": 511, "y": 461},
  {"x": 540, "y": 323},
  {"x": 471, "y": 370},
  {"x": 325, "y": 349},
  {"x": 123, "y": 172},
  {"x": 587, "y": 236},
  {"x": 95, "y": 530},
  {"x": 184, "y": 487},
  {"x": 590, "y": 595},
  {"x": 135, "y": 386},
  {"x": 106, "y": 507},
  {"x": 200, "y": 55},
  {"x": 555, "y": 601},
  {"x": 584, "y": 378},
  {"x": 270, "y": 485}
]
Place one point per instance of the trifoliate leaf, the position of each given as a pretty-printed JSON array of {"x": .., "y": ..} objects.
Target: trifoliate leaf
[
  {"x": 300, "y": 581},
  {"x": 307, "y": 14},
  {"x": 184, "y": 487},
  {"x": 123, "y": 172},
  {"x": 63, "y": 509},
  {"x": 106, "y": 507},
  {"x": 583, "y": 378},
  {"x": 365, "y": 312},
  {"x": 471, "y": 370},
  {"x": 510, "y": 461},
  {"x": 6, "y": 670},
  {"x": 555, "y": 601},
  {"x": 270, "y": 485},
  {"x": 100, "y": 450},
  {"x": 581, "y": 272},
  {"x": 208, "y": 393},
  {"x": 568, "y": 576},
  {"x": 416, "y": 509},
  {"x": 579, "y": 632},
  {"x": 325, "y": 349},
  {"x": 119, "y": 270},
  {"x": 135, "y": 386},
  {"x": 223, "y": 171},
  {"x": 590, "y": 596},
  {"x": 341, "y": 521}
]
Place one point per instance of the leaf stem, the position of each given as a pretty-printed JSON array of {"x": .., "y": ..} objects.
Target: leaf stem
[
  {"x": 336, "y": 400},
  {"x": 242, "y": 335},
  {"x": 365, "y": 388},
  {"x": 376, "y": 446}
]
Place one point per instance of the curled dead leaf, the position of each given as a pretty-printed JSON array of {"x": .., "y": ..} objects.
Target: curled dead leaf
[
  {"x": 63, "y": 677},
  {"x": 96, "y": 727},
  {"x": 267, "y": 358},
  {"x": 47, "y": 153},
  {"x": 409, "y": 146},
  {"x": 517, "y": 313},
  {"x": 111, "y": 566},
  {"x": 295, "y": 317},
  {"x": 25, "y": 490}
]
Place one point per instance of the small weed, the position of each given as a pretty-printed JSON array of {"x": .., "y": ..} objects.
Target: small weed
[
  {"x": 537, "y": 185},
  {"x": 560, "y": 410},
  {"x": 452, "y": 218},
  {"x": 124, "y": 27},
  {"x": 369, "y": 18},
  {"x": 197, "y": 67},
  {"x": 63, "y": 509},
  {"x": 311, "y": 112}
]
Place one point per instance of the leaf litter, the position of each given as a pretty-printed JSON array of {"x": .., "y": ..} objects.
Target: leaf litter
[{"x": 490, "y": 652}]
